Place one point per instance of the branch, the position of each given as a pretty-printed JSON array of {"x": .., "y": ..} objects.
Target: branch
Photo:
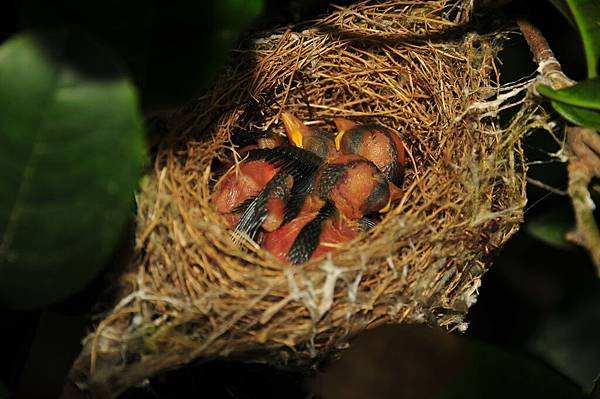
[
  {"x": 583, "y": 166},
  {"x": 583, "y": 146},
  {"x": 548, "y": 65}
]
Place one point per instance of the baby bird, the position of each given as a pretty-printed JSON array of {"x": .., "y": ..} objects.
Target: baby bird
[
  {"x": 310, "y": 138},
  {"x": 310, "y": 197},
  {"x": 354, "y": 185},
  {"x": 267, "y": 208},
  {"x": 309, "y": 236},
  {"x": 349, "y": 188},
  {"x": 273, "y": 204},
  {"x": 359, "y": 177},
  {"x": 378, "y": 144},
  {"x": 241, "y": 186},
  {"x": 255, "y": 194}
]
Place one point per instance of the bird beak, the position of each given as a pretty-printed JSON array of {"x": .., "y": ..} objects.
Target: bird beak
[
  {"x": 342, "y": 125},
  {"x": 338, "y": 140},
  {"x": 387, "y": 207},
  {"x": 294, "y": 128},
  {"x": 395, "y": 194}
]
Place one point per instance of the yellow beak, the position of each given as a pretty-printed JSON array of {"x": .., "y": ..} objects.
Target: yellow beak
[
  {"x": 294, "y": 128},
  {"x": 338, "y": 140},
  {"x": 387, "y": 206}
]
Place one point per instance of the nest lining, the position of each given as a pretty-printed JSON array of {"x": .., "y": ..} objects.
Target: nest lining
[{"x": 193, "y": 293}]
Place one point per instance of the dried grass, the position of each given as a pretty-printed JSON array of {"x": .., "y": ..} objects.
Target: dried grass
[{"x": 192, "y": 293}]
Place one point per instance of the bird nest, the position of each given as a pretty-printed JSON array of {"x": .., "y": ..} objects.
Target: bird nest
[{"x": 192, "y": 292}]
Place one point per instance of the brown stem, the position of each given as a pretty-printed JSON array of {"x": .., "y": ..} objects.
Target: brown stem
[
  {"x": 583, "y": 146},
  {"x": 583, "y": 166},
  {"x": 549, "y": 67}
]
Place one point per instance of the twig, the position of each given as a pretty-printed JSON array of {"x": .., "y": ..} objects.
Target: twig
[
  {"x": 543, "y": 185},
  {"x": 548, "y": 66},
  {"x": 583, "y": 166},
  {"x": 583, "y": 147}
]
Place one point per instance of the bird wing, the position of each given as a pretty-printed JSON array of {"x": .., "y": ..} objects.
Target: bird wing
[
  {"x": 254, "y": 209},
  {"x": 309, "y": 237},
  {"x": 301, "y": 164}
]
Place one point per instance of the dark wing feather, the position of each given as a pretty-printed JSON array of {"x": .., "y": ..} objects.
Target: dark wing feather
[
  {"x": 366, "y": 223},
  {"x": 292, "y": 160},
  {"x": 298, "y": 194},
  {"x": 253, "y": 215},
  {"x": 308, "y": 239},
  {"x": 301, "y": 164},
  {"x": 254, "y": 209}
]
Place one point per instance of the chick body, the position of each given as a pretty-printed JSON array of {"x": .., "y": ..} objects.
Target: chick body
[{"x": 378, "y": 144}]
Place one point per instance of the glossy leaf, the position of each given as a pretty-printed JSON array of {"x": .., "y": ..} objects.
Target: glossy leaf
[
  {"x": 587, "y": 17},
  {"x": 551, "y": 228},
  {"x": 584, "y": 94},
  {"x": 579, "y": 116},
  {"x": 71, "y": 151},
  {"x": 579, "y": 104}
]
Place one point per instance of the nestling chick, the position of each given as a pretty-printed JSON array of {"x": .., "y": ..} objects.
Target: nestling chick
[
  {"x": 378, "y": 144},
  {"x": 311, "y": 138},
  {"x": 240, "y": 185},
  {"x": 309, "y": 236},
  {"x": 354, "y": 185}
]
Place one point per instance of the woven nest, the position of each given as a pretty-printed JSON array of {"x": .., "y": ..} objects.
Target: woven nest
[{"x": 192, "y": 293}]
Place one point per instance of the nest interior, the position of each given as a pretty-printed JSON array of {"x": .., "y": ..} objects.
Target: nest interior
[{"x": 192, "y": 293}]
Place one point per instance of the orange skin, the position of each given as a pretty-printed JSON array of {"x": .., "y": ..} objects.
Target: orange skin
[
  {"x": 312, "y": 204},
  {"x": 334, "y": 232},
  {"x": 378, "y": 144},
  {"x": 351, "y": 196},
  {"x": 361, "y": 189},
  {"x": 279, "y": 242},
  {"x": 240, "y": 185}
]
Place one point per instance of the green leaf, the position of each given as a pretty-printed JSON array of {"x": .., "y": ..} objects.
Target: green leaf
[
  {"x": 551, "y": 228},
  {"x": 585, "y": 94},
  {"x": 579, "y": 116},
  {"x": 579, "y": 104},
  {"x": 562, "y": 6},
  {"x": 71, "y": 152},
  {"x": 587, "y": 16}
]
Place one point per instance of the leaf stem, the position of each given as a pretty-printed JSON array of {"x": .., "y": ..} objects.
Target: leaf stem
[
  {"x": 583, "y": 147},
  {"x": 548, "y": 65}
]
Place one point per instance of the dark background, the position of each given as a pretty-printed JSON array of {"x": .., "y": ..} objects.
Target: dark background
[{"x": 536, "y": 299}]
